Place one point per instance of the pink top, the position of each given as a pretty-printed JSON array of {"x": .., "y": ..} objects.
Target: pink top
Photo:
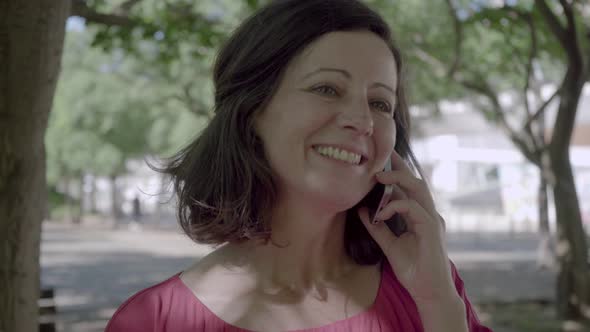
[{"x": 172, "y": 306}]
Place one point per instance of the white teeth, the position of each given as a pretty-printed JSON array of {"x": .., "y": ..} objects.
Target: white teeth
[{"x": 335, "y": 153}]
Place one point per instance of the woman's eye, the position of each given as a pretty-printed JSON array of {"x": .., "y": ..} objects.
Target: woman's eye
[
  {"x": 381, "y": 106},
  {"x": 325, "y": 90}
]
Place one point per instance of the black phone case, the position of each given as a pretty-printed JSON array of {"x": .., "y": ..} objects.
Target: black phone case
[{"x": 396, "y": 224}]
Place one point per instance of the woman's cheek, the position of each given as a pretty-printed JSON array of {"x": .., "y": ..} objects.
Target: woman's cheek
[{"x": 385, "y": 148}]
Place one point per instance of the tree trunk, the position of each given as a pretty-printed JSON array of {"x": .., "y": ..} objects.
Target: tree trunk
[
  {"x": 67, "y": 198},
  {"x": 93, "y": 209},
  {"x": 31, "y": 42},
  {"x": 572, "y": 251},
  {"x": 546, "y": 249},
  {"x": 116, "y": 209},
  {"x": 164, "y": 181},
  {"x": 79, "y": 211},
  {"x": 573, "y": 281},
  {"x": 542, "y": 201}
]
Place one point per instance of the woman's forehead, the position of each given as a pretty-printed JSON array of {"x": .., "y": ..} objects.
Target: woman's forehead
[{"x": 360, "y": 53}]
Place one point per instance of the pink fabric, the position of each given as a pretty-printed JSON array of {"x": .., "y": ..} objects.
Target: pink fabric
[{"x": 171, "y": 306}]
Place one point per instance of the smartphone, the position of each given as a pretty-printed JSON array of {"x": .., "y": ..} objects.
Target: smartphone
[{"x": 378, "y": 197}]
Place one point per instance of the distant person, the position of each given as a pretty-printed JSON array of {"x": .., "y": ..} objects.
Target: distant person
[
  {"x": 136, "y": 210},
  {"x": 135, "y": 223},
  {"x": 309, "y": 108}
]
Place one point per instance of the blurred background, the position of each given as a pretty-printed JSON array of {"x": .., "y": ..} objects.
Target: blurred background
[{"x": 500, "y": 107}]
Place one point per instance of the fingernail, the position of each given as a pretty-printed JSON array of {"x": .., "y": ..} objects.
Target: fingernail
[{"x": 379, "y": 215}]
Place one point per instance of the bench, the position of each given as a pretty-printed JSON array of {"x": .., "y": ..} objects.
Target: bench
[{"x": 47, "y": 310}]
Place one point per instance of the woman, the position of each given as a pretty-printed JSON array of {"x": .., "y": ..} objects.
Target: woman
[{"x": 309, "y": 106}]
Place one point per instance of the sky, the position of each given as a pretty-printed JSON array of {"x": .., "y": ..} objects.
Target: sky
[{"x": 75, "y": 23}]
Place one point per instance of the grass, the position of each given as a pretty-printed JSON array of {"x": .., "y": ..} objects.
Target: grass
[{"x": 531, "y": 316}]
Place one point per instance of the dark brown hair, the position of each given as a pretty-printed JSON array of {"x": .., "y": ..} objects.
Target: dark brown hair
[{"x": 223, "y": 181}]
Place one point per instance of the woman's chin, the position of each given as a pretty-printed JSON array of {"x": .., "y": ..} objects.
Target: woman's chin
[
  {"x": 339, "y": 202},
  {"x": 337, "y": 197}
]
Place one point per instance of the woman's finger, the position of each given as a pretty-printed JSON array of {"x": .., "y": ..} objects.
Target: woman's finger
[
  {"x": 408, "y": 187},
  {"x": 402, "y": 178},
  {"x": 417, "y": 218},
  {"x": 380, "y": 232}
]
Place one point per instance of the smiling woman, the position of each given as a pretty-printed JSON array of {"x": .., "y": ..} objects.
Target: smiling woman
[{"x": 309, "y": 108}]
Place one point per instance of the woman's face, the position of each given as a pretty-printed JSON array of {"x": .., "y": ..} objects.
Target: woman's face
[{"x": 337, "y": 96}]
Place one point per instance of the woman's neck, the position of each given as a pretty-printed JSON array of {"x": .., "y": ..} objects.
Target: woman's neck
[{"x": 299, "y": 257}]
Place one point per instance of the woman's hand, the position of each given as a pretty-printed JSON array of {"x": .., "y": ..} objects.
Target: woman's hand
[{"x": 418, "y": 257}]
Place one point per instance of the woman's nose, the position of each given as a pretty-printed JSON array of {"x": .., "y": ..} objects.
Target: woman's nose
[{"x": 357, "y": 118}]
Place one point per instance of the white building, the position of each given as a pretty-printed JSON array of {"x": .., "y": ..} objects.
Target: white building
[{"x": 481, "y": 181}]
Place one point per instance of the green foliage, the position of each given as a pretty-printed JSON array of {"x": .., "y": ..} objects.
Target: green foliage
[
  {"x": 146, "y": 89},
  {"x": 166, "y": 30},
  {"x": 422, "y": 26},
  {"x": 107, "y": 111},
  {"x": 502, "y": 39},
  {"x": 136, "y": 89},
  {"x": 55, "y": 198},
  {"x": 496, "y": 44},
  {"x": 60, "y": 206}
]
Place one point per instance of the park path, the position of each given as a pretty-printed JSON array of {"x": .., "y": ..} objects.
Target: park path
[{"x": 95, "y": 268}]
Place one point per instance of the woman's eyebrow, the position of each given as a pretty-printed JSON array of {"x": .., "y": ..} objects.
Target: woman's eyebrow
[
  {"x": 341, "y": 71},
  {"x": 384, "y": 86},
  {"x": 347, "y": 75}
]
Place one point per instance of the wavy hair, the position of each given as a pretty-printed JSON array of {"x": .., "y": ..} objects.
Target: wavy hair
[{"x": 223, "y": 182}]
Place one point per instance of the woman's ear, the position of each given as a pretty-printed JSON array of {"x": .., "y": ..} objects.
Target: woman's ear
[
  {"x": 255, "y": 126},
  {"x": 255, "y": 123}
]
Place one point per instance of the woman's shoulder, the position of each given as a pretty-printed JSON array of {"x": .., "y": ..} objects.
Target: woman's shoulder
[
  {"x": 173, "y": 305},
  {"x": 150, "y": 307}
]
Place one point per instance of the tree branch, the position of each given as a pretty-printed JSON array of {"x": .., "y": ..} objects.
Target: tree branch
[
  {"x": 519, "y": 140},
  {"x": 481, "y": 87},
  {"x": 569, "y": 14},
  {"x": 458, "y": 39},
  {"x": 81, "y": 9},
  {"x": 568, "y": 35},
  {"x": 435, "y": 64},
  {"x": 574, "y": 43},
  {"x": 529, "y": 69},
  {"x": 541, "y": 109},
  {"x": 526, "y": 143},
  {"x": 126, "y": 7},
  {"x": 532, "y": 54},
  {"x": 587, "y": 36},
  {"x": 553, "y": 21}
]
